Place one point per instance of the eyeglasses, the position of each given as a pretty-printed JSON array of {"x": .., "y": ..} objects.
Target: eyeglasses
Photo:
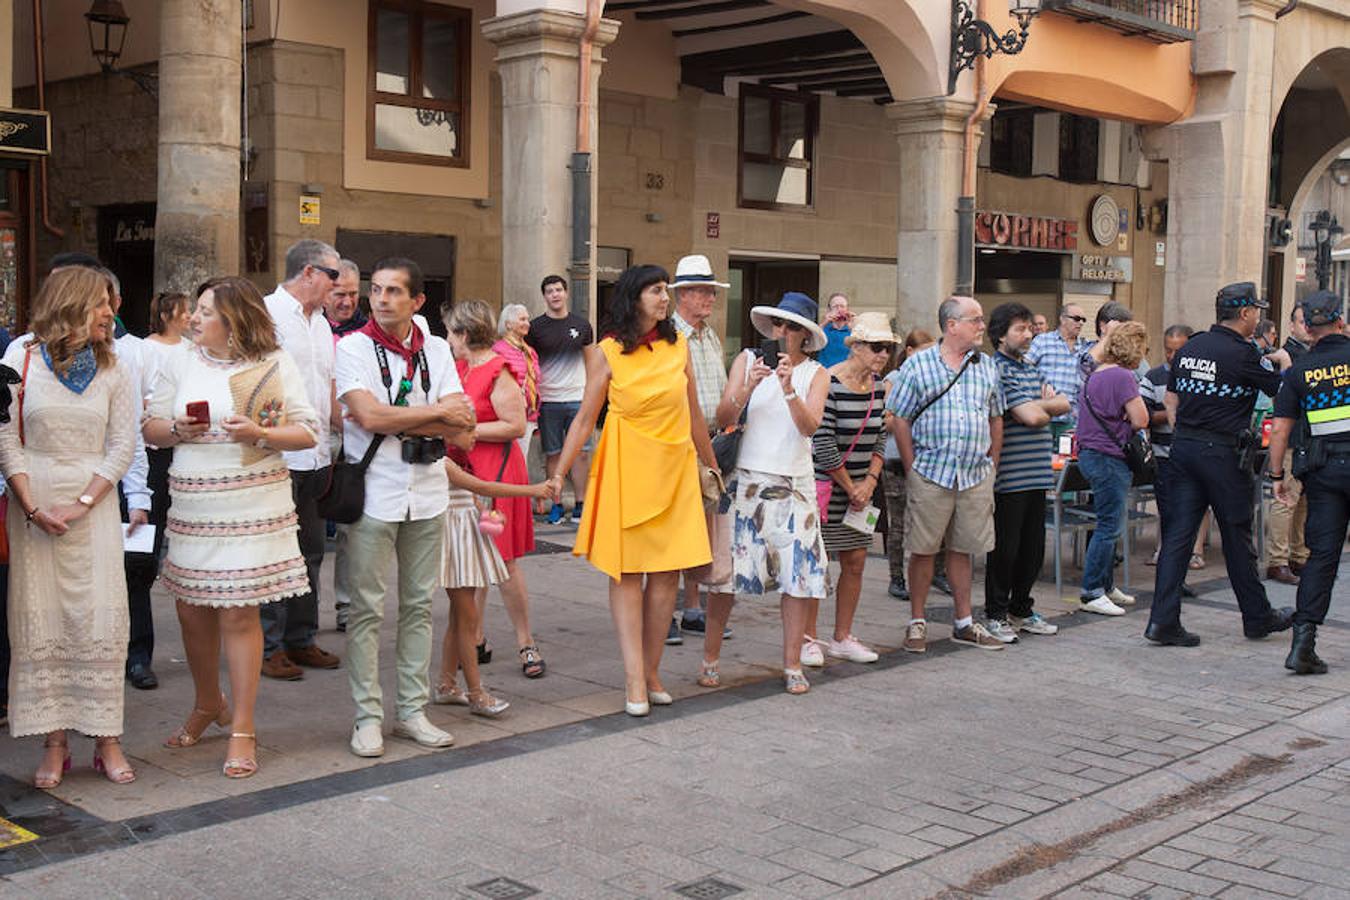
[
  {"x": 1079, "y": 319},
  {"x": 979, "y": 320},
  {"x": 332, "y": 274},
  {"x": 880, "y": 346},
  {"x": 791, "y": 326}
]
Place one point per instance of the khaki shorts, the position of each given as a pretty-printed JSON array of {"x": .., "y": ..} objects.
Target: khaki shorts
[
  {"x": 962, "y": 521},
  {"x": 716, "y": 575}
]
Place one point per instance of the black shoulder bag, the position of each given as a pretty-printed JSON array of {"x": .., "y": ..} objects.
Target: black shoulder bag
[
  {"x": 726, "y": 444},
  {"x": 1137, "y": 449},
  {"x": 344, "y": 497}
]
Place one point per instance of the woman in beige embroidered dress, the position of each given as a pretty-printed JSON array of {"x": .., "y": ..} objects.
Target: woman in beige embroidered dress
[
  {"x": 231, "y": 523},
  {"x": 69, "y": 441}
]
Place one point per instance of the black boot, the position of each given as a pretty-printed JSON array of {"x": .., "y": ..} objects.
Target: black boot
[{"x": 1303, "y": 659}]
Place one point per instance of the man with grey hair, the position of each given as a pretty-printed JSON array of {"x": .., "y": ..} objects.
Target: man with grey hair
[
  {"x": 296, "y": 307},
  {"x": 343, "y": 306},
  {"x": 947, "y": 420}
]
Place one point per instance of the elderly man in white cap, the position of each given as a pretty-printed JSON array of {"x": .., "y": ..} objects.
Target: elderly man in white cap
[{"x": 695, "y": 292}]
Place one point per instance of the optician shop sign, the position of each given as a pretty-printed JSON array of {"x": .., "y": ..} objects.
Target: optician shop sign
[
  {"x": 1098, "y": 267},
  {"x": 1014, "y": 231}
]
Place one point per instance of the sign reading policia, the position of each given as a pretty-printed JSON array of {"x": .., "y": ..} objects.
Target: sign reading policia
[{"x": 25, "y": 131}]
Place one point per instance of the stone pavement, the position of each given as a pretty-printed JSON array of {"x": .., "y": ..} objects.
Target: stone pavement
[{"x": 1087, "y": 762}]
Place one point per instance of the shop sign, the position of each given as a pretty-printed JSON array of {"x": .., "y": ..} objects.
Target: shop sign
[
  {"x": 1098, "y": 267},
  {"x": 1000, "y": 229},
  {"x": 27, "y": 131},
  {"x": 133, "y": 230},
  {"x": 309, "y": 209},
  {"x": 712, "y": 228},
  {"x": 1300, "y": 269},
  {"x": 610, "y": 263}
]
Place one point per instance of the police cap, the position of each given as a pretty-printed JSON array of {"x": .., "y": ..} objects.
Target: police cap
[
  {"x": 1240, "y": 294},
  {"x": 1321, "y": 308}
]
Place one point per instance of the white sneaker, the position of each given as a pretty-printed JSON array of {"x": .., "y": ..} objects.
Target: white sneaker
[
  {"x": 1102, "y": 606},
  {"x": 811, "y": 653},
  {"x": 853, "y": 650},
  {"x": 418, "y": 727},
  {"x": 367, "y": 740},
  {"x": 1002, "y": 631},
  {"x": 1033, "y": 624},
  {"x": 1119, "y": 596}
]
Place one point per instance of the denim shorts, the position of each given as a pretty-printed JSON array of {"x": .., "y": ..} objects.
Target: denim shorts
[{"x": 554, "y": 420}]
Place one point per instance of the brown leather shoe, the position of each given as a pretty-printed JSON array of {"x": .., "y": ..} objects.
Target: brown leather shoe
[
  {"x": 314, "y": 657},
  {"x": 279, "y": 666},
  {"x": 1282, "y": 574}
]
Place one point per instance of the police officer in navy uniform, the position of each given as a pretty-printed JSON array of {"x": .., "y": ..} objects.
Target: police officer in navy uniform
[
  {"x": 1211, "y": 391},
  {"x": 1312, "y": 411}
]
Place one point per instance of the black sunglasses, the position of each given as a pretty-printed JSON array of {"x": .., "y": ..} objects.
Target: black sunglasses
[
  {"x": 880, "y": 346},
  {"x": 332, "y": 274},
  {"x": 791, "y": 326},
  {"x": 1079, "y": 319}
]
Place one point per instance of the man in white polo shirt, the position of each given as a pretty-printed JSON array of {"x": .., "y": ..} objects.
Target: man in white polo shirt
[
  {"x": 296, "y": 307},
  {"x": 399, "y": 387}
]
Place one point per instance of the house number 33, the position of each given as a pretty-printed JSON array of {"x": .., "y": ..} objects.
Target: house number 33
[{"x": 655, "y": 181}]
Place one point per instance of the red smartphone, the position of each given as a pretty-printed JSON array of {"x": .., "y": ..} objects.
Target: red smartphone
[{"x": 200, "y": 411}]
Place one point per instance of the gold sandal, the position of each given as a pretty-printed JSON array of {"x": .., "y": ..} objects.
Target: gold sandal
[
  {"x": 121, "y": 775},
  {"x": 186, "y": 737},
  {"x": 241, "y": 766},
  {"x": 46, "y": 781}
]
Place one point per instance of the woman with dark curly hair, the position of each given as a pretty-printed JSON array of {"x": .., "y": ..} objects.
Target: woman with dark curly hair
[{"x": 643, "y": 517}]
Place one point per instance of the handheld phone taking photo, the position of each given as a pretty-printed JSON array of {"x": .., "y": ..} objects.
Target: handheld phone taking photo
[
  {"x": 200, "y": 411},
  {"x": 768, "y": 349}
]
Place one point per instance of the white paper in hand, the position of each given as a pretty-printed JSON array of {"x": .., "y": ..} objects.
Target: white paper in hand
[
  {"x": 141, "y": 541},
  {"x": 864, "y": 520}
]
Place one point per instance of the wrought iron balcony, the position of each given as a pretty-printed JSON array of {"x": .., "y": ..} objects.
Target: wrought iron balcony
[{"x": 1161, "y": 21}]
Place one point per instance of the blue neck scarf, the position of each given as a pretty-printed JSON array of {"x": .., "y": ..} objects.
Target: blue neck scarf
[{"x": 82, "y": 370}]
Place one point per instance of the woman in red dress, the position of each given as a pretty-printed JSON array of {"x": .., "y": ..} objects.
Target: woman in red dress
[{"x": 500, "y": 408}]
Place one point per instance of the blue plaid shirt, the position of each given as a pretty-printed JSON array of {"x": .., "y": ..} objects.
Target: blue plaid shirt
[
  {"x": 1061, "y": 367},
  {"x": 951, "y": 439}
]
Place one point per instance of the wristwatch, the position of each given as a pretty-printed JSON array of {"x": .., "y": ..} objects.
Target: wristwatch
[
  {"x": 261, "y": 443},
  {"x": 86, "y": 500}
]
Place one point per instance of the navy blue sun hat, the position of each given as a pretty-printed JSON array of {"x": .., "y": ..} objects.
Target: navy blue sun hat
[
  {"x": 794, "y": 307},
  {"x": 1240, "y": 294},
  {"x": 1321, "y": 308}
]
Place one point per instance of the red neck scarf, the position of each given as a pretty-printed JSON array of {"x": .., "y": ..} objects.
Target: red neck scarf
[
  {"x": 386, "y": 340},
  {"x": 646, "y": 340}
]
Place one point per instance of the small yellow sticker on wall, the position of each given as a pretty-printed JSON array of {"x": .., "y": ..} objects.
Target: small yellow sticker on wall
[
  {"x": 12, "y": 835},
  {"x": 309, "y": 209}
]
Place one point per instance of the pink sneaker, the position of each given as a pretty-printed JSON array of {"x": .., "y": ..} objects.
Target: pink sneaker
[{"x": 851, "y": 649}]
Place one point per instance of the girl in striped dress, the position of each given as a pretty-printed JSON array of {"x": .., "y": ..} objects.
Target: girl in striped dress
[
  {"x": 470, "y": 560},
  {"x": 849, "y": 452}
]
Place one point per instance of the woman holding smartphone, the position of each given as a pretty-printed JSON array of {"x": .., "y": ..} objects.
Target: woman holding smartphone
[
  {"x": 776, "y": 542},
  {"x": 228, "y": 406}
]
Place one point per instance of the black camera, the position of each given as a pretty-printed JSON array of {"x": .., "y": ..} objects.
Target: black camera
[{"x": 422, "y": 450}]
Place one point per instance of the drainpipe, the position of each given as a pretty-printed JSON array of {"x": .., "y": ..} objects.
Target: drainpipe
[
  {"x": 40, "y": 78},
  {"x": 965, "y": 204},
  {"x": 1287, "y": 9},
  {"x": 580, "y": 268}
]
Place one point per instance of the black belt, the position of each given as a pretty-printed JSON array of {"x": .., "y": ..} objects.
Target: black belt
[{"x": 1221, "y": 438}]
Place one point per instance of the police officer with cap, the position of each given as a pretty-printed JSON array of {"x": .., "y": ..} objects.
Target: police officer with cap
[
  {"x": 1211, "y": 391},
  {"x": 1313, "y": 406}
]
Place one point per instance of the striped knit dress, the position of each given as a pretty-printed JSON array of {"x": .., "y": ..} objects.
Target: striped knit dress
[{"x": 847, "y": 417}]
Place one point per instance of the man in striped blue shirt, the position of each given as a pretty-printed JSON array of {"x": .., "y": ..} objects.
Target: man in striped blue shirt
[{"x": 1023, "y": 476}]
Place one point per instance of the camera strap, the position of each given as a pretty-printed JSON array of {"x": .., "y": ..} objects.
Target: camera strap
[{"x": 419, "y": 361}]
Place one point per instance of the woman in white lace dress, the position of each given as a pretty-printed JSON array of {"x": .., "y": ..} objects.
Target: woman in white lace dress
[
  {"x": 231, "y": 522},
  {"x": 69, "y": 441}
]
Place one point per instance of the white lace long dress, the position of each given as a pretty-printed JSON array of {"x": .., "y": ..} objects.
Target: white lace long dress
[
  {"x": 231, "y": 526},
  {"x": 68, "y": 620}
]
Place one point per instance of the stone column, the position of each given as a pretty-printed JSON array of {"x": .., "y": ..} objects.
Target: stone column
[
  {"x": 197, "y": 220},
  {"x": 1219, "y": 161},
  {"x": 931, "y": 132},
  {"x": 537, "y": 60}
]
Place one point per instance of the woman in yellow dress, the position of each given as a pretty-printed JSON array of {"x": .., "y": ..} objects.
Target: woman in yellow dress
[{"x": 643, "y": 515}]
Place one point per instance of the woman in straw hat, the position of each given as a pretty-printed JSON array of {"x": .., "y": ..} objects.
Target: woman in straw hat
[
  {"x": 776, "y": 543},
  {"x": 849, "y": 453}
]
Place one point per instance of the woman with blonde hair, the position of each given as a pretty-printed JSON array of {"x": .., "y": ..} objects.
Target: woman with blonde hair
[
  {"x": 69, "y": 441},
  {"x": 1110, "y": 410},
  {"x": 228, "y": 407},
  {"x": 500, "y": 410}
]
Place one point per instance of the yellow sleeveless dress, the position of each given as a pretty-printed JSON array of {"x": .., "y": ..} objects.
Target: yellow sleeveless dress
[{"x": 644, "y": 509}]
